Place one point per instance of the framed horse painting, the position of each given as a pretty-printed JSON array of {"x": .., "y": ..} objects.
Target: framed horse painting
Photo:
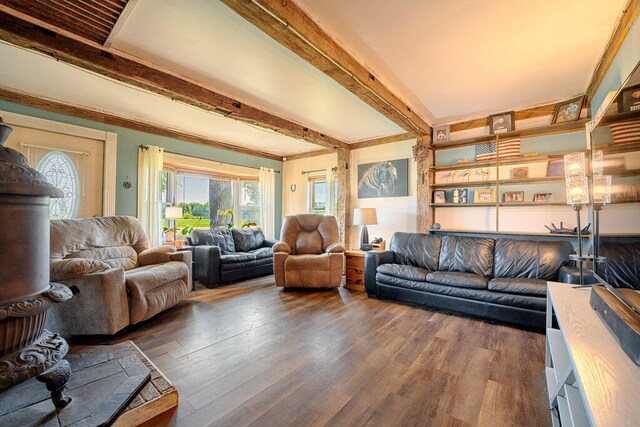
[{"x": 389, "y": 178}]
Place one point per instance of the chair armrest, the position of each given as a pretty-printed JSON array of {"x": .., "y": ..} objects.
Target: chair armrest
[
  {"x": 208, "y": 265},
  {"x": 372, "y": 260},
  {"x": 282, "y": 247},
  {"x": 269, "y": 243},
  {"x": 157, "y": 255},
  {"x": 183, "y": 256},
  {"x": 335, "y": 248},
  {"x": 100, "y": 305},
  {"x": 571, "y": 274}
]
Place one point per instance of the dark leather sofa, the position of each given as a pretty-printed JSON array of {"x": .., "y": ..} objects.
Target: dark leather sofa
[
  {"x": 223, "y": 255},
  {"x": 622, "y": 269},
  {"x": 497, "y": 279}
]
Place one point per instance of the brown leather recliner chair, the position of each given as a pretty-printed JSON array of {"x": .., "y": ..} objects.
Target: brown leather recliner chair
[{"x": 308, "y": 254}]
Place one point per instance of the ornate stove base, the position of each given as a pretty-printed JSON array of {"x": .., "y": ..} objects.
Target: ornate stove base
[{"x": 44, "y": 359}]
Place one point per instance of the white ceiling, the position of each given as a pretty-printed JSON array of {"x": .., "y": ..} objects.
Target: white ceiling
[
  {"x": 208, "y": 42},
  {"x": 457, "y": 59},
  {"x": 43, "y": 76}
]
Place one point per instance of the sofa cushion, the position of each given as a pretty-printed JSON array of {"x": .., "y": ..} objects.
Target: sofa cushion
[
  {"x": 247, "y": 238},
  {"x": 155, "y": 275},
  {"x": 114, "y": 256},
  {"x": 519, "y": 286},
  {"x": 512, "y": 300},
  {"x": 223, "y": 238},
  {"x": 66, "y": 269},
  {"x": 307, "y": 262},
  {"x": 230, "y": 266},
  {"x": 237, "y": 257},
  {"x": 262, "y": 253},
  {"x": 457, "y": 279},
  {"x": 309, "y": 242},
  {"x": 530, "y": 259},
  {"x": 467, "y": 255},
  {"x": 417, "y": 249},
  {"x": 408, "y": 272}
]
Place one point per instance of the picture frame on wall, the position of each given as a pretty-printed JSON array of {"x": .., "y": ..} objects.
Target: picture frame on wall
[
  {"x": 439, "y": 197},
  {"x": 555, "y": 168},
  {"x": 484, "y": 195},
  {"x": 441, "y": 133},
  {"x": 513, "y": 197},
  {"x": 568, "y": 111},
  {"x": 629, "y": 99},
  {"x": 501, "y": 123},
  {"x": 388, "y": 178}
]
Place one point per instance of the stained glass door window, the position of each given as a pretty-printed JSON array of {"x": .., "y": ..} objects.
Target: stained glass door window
[{"x": 60, "y": 171}]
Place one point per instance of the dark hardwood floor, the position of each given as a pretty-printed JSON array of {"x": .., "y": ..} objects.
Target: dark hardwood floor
[{"x": 252, "y": 354}]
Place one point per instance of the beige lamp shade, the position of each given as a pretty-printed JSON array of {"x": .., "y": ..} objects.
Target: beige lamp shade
[
  {"x": 365, "y": 216},
  {"x": 173, "y": 212}
]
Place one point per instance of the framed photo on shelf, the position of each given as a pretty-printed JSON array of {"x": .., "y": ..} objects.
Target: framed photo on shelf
[
  {"x": 568, "y": 111},
  {"x": 520, "y": 172},
  {"x": 441, "y": 133},
  {"x": 484, "y": 195},
  {"x": 501, "y": 123},
  {"x": 629, "y": 100},
  {"x": 460, "y": 195},
  {"x": 555, "y": 168},
  {"x": 439, "y": 197},
  {"x": 543, "y": 197},
  {"x": 513, "y": 197}
]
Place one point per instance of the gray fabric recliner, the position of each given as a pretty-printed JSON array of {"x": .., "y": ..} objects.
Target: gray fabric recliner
[{"x": 121, "y": 281}]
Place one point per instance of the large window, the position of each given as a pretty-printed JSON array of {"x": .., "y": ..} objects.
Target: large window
[{"x": 209, "y": 198}]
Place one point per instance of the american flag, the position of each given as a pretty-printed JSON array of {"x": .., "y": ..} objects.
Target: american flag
[
  {"x": 508, "y": 149},
  {"x": 624, "y": 133}
]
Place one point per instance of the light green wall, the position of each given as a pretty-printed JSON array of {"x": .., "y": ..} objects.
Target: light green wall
[
  {"x": 621, "y": 67},
  {"x": 127, "y": 163}
]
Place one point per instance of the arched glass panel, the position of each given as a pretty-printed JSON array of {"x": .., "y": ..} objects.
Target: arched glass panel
[{"x": 60, "y": 171}]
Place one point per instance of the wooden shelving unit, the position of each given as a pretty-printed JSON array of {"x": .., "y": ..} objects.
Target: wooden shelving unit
[{"x": 521, "y": 133}]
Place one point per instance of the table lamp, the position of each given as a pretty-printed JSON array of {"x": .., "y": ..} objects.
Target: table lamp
[
  {"x": 173, "y": 213},
  {"x": 364, "y": 217},
  {"x": 577, "y": 187}
]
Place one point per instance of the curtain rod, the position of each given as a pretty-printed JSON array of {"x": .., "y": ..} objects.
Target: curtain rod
[
  {"x": 335, "y": 168},
  {"x": 145, "y": 147}
]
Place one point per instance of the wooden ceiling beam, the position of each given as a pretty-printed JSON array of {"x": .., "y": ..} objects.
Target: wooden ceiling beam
[
  {"x": 382, "y": 140},
  {"x": 122, "y": 18},
  {"x": 148, "y": 77},
  {"x": 307, "y": 155},
  {"x": 286, "y": 23},
  {"x": 625, "y": 20},
  {"x": 111, "y": 119}
]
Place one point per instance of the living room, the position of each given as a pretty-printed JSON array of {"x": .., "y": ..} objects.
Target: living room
[{"x": 262, "y": 212}]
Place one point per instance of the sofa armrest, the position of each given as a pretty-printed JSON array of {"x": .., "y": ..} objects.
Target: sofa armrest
[
  {"x": 372, "y": 259},
  {"x": 335, "y": 248},
  {"x": 208, "y": 265},
  {"x": 100, "y": 305},
  {"x": 571, "y": 274},
  {"x": 269, "y": 243},
  {"x": 282, "y": 247},
  {"x": 157, "y": 255}
]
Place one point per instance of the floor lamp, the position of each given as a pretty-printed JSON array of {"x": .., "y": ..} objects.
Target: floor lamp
[{"x": 577, "y": 188}]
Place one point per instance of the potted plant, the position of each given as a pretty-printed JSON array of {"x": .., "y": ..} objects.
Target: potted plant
[
  {"x": 226, "y": 216},
  {"x": 188, "y": 229}
]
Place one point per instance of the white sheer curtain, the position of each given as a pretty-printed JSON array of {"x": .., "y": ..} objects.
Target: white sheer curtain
[
  {"x": 330, "y": 191},
  {"x": 149, "y": 192},
  {"x": 307, "y": 180},
  {"x": 267, "y": 201}
]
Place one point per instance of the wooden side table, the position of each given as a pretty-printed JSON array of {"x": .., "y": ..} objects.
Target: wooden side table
[{"x": 355, "y": 270}]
